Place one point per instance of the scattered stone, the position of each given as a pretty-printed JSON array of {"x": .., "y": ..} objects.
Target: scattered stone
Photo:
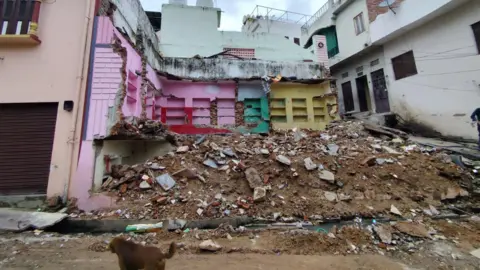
[
  {"x": 380, "y": 161},
  {"x": 395, "y": 211},
  {"x": 377, "y": 147},
  {"x": 259, "y": 194},
  {"x": 330, "y": 196},
  {"x": 343, "y": 197},
  {"x": 327, "y": 176},
  {"x": 229, "y": 152},
  {"x": 413, "y": 229},
  {"x": 253, "y": 178},
  {"x": 264, "y": 151},
  {"x": 284, "y": 160},
  {"x": 156, "y": 166},
  {"x": 397, "y": 141},
  {"x": 453, "y": 193},
  {"x": 183, "y": 149},
  {"x": 309, "y": 165},
  {"x": 186, "y": 173},
  {"x": 209, "y": 245},
  {"x": 333, "y": 149},
  {"x": 384, "y": 233},
  {"x": 199, "y": 211},
  {"x": 166, "y": 181},
  {"x": 434, "y": 210},
  {"x": 210, "y": 163},
  {"x": 475, "y": 253},
  {"x": 145, "y": 185},
  {"x": 391, "y": 150}
]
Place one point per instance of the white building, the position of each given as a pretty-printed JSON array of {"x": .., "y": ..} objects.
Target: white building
[
  {"x": 418, "y": 59},
  {"x": 187, "y": 31},
  {"x": 275, "y": 21}
]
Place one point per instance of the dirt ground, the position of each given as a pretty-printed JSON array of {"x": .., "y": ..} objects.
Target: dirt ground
[{"x": 267, "y": 249}]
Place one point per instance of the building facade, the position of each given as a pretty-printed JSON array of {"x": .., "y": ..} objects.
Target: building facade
[
  {"x": 419, "y": 60},
  {"x": 224, "y": 82},
  {"x": 43, "y": 70}
]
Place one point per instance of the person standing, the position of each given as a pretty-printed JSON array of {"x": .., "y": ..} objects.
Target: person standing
[{"x": 476, "y": 122}]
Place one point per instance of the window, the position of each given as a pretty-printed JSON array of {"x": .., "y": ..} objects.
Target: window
[
  {"x": 359, "y": 69},
  {"x": 375, "y": 62},
  {"x": 358, "y": 23},
  {"x": 296, "y": 40},
  {"x": 476, "y": 34},
  {"x": 345, "y": 75},
  {"x": 404, "y": 65}
]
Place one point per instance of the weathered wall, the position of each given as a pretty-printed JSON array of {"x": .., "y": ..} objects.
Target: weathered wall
[
  {"x": 53, "y": 71},
  {"x": 255, "y": 113},
  {"x": 299, "y": 105},
  {"x": 408, "y": 15},
  {"x": 211, "y": 69},
  {"x": 183, "y": 24},
  {"x": 446, "y": 89}
]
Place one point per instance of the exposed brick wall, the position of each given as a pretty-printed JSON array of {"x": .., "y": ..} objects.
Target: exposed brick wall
[{"x": 374, "y": 10}]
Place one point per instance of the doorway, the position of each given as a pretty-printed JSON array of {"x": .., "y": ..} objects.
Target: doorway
[
  {"x": 348, "y": 97},
  {"x": 363, "y": 93},
  {"x": 380, "y": 92}
]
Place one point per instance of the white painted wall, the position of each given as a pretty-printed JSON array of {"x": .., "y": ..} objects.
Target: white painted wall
[
  {"x": 409, "y": 14},
  {"x": 447, "y": 88},
  {"x": 352, "y": 75},
  {"x": 188, "y": 31},
  {"x": 282, "y": 28},
  {"x": 349, "y": 42}
]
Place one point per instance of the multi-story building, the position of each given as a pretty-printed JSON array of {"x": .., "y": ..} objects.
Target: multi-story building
[
  {"x": 188, "y": 77},
  {"x": 418, "y": 59},
  {"x": 44, "y": 49}
]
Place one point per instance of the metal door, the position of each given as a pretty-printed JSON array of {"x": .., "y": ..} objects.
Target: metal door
[
  {"x": 348, "y": 97},
  {"x": 27, "y": 131},
  {"x": 380, "y": 91}
]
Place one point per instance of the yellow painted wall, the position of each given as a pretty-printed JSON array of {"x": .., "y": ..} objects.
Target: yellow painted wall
[{"x": 299, "y": 105}]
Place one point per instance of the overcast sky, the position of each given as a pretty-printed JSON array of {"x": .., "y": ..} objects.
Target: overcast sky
[{"x": 235, "y": 9}]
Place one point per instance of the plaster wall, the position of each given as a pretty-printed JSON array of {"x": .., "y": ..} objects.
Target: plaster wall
[{"x": 447, "y": 87}]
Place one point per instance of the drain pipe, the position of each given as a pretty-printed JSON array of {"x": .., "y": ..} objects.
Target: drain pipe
[{"x": 81, "y": 79}]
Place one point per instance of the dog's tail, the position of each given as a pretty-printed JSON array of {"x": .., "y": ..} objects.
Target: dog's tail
[{"x": 171, "y": 250}]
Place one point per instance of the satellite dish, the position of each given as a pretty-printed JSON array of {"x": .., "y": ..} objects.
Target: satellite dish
[{"x": 386, "y": 3}]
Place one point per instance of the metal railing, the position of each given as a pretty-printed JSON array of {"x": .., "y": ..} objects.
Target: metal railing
[
  {"x": 274, "y": 14},
  {"x": 320, "y": 13},
  {"x": 19, "y": 17}
]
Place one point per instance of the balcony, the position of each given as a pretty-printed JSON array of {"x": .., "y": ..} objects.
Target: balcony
[{"x": 19, "y": 22}]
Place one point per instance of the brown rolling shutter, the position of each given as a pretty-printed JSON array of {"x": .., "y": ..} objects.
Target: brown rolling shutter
[{"x": 26, "y": 141}]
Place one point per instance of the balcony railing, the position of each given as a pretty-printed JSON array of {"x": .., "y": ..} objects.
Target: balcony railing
[{"x": 19, "y": 18}]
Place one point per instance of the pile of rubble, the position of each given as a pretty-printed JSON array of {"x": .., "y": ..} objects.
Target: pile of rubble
[{"x": 309, "y": 175}]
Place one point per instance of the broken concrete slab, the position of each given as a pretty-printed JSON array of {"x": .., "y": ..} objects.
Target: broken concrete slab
[
  {"x": 259, "y": 194},
  {"x": 391, "y": 150},
  {"x": 183, "y": 149},
  {"x": 384, "y": 233},
  {"x": 394, "y": 210},
  {"x": 14, "y": 220},
  {"x": 210, "y": 163},
  {"x": 309, "y": 164},
  {"x": 165, "y": 181},
  {"x": 330, "y": 196},
  {"x": 327, "y": 176},
  {"x": 412, "y": 229},
  {"x": 209, "y": 245},
  {"x": 253, "y": 178},
  {"x": 284, "y": 160}
]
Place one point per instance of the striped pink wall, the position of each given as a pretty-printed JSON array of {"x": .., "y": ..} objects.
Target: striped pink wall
[
  {"x": 105, "y": 31},
  {"x": 321, "y": 53},
  {"x": 105, "y": 83}
]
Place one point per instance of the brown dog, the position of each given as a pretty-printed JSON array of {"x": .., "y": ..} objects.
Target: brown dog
[{"x": 132, "y": 256}]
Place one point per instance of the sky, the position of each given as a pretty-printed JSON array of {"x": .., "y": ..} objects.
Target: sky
[{"x": 233, "y": 10}]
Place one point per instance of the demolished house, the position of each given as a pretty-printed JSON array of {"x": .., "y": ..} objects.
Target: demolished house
[{"x": 145, "y": 86}]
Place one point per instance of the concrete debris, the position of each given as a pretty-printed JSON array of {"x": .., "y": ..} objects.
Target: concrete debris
[
  {"x": 284, "y": 160},
  {"x": 395, "y": 211},
  {"x": 16, "y": 221},
  {"x": 330, "y": 196},
  {"x": 309, "y": 165},
  {"x": 327, "y": 176},
  {"x": 209, "y": 245},
  {"x": 183, "y": 149},
  {"x": 390, "y": 150},
  {"x": 345, "y": 170},
  {"x": 384, "y": 233},
  {"x": 253, "y": 178},
  {"x": 166, "y": 181},
  {"x": 413, "y": 229},
  {"x": 259, "y": 194}
]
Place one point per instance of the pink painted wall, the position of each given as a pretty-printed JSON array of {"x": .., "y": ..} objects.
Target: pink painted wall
[{"x": 181, "y": 97}]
